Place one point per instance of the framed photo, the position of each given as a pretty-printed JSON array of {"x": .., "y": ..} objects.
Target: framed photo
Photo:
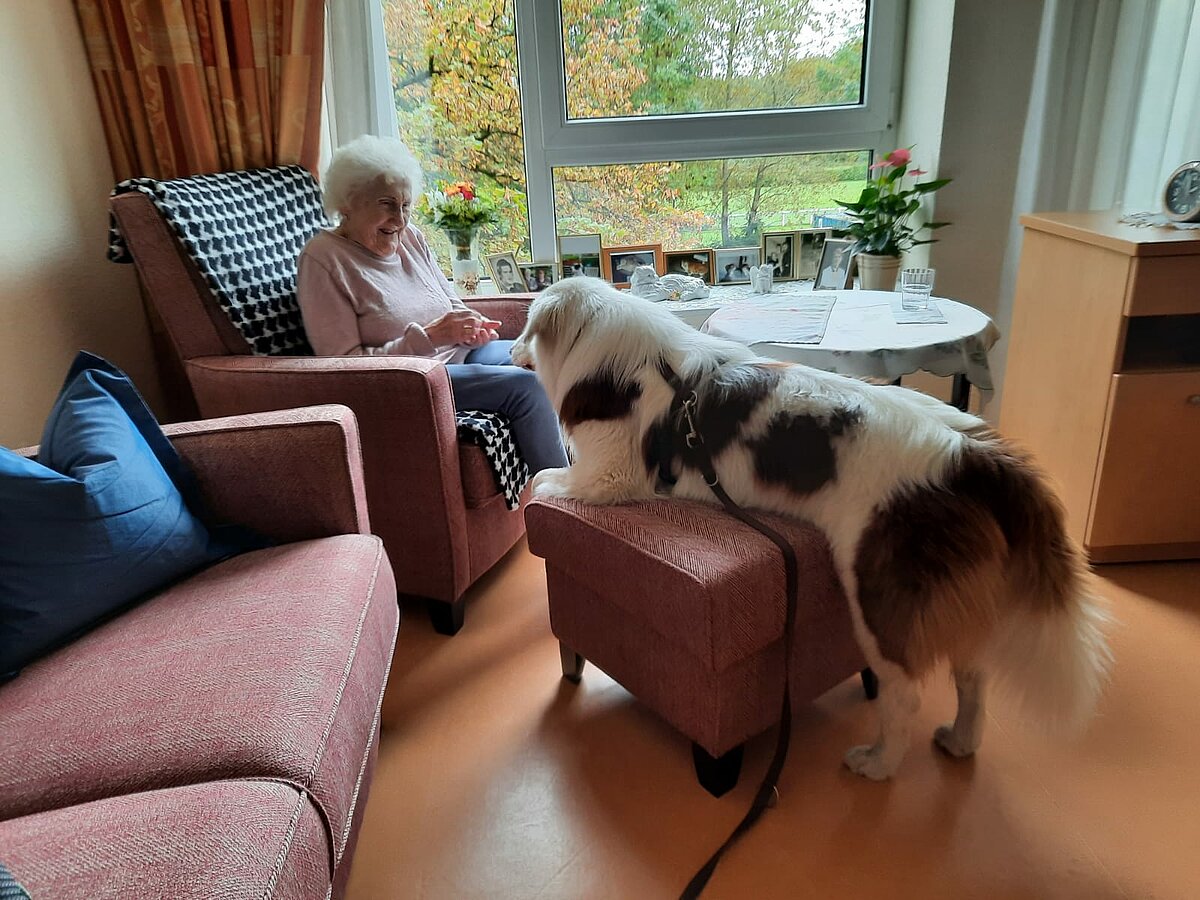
[
  {"x": 618, "y": 263},
  {"x": 811, "y": 241},
  {"x": 538, "y": 275},
  {"x": 506, "y": 273},
  {"x": 779, "y": 250},
  {"x": 697, "y": 263},
  {"x": 579, "y": 254},
  {"x": 833, "y": 272},
  {"x": 733, "y": 264}
]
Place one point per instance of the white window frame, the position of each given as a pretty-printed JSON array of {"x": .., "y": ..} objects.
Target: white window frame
[{"x": 553, "y": 141}]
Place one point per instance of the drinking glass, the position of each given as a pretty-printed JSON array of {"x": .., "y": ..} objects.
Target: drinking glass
[{"x": 915, "y": 288}]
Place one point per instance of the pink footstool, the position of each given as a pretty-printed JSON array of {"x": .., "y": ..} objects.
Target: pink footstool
[{"x": 683, "y": 605}]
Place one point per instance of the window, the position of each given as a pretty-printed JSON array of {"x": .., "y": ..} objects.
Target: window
[
  {"x": 454, "y": 77},
  {"x": 705, "y": 203},
  {"x": 693, "y": 122},
  {"x": 670, "y": 57}
]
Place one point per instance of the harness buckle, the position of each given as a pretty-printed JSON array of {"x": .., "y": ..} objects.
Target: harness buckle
[{"x": 692, "y": 438}]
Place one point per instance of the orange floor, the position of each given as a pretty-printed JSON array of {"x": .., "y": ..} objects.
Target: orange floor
[{"x": 497, "y": 779}]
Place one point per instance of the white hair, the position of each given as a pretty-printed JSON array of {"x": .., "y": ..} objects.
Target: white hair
[{"x": 358, "y": 163}]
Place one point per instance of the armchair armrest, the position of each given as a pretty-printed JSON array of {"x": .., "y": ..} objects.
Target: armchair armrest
[
  {"x": 405, "y": 411},
  {"x": 291, "y": 475},
  {"x": 511, "y": 311}
]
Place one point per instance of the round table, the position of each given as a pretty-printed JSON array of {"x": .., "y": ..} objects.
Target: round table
[{"x": 861, "y": 336}]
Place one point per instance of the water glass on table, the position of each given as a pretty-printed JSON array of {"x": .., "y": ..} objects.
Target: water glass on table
[{"x": 915, "y": 287}]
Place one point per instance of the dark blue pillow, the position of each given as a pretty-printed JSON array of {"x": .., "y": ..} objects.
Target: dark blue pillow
[
  {"x": 99, "y": 521},
  {"x": 10, "y": 889}
]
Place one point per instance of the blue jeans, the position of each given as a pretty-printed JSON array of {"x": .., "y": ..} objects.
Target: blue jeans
[{"x": 488, "y": 381}]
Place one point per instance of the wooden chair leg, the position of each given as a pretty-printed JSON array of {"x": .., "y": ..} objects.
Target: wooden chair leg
[
  {"x": 572, "y": 663},
  {"x": 870, "y": 683},
  {"x": 447, "y": 618},
  {"x": 717, "y": 774}
]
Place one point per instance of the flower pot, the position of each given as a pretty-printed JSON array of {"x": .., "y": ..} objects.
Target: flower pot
[
  {"x": 464, "y": 262},
  {"x": 876, "y": 272}
]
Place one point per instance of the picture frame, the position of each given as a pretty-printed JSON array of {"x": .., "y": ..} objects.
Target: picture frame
[
  {"x": 618, "y": 263},
  {"x": 506, "y": 273},
  {"x": 833, "y": 271},
  {"x": 733, "y": 264},
  {"x": 810, "y": 241},
  {"x": 538, "y": 275},
  {"x": 697, "y": 263},
  {"x": 780, "y": 249},
  {"x": 579, "y": 254}
]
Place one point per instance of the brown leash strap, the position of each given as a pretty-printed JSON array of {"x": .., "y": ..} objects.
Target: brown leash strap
[{"x": 684, "y": 405}]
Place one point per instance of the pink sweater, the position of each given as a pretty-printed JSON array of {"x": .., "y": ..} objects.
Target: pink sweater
[{"x": 355, "y": 303}]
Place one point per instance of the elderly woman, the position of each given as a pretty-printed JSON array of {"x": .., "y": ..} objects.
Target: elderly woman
[{"x": 372, "y": 287}]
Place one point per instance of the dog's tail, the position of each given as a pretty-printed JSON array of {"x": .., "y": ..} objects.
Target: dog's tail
[{"x": 1050, "y": 647}]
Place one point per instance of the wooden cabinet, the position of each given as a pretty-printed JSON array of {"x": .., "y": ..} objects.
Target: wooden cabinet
[{"x": 1102, "y": 382}]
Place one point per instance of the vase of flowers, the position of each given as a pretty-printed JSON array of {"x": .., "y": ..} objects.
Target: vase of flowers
[
  {"x": 464, "y": 258},
  {"x": 461, "y": 212},
  {"x": 880, "y": 219}
]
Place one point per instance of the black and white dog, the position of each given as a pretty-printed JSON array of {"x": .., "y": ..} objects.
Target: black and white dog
[{"x": 949, "y": 544}]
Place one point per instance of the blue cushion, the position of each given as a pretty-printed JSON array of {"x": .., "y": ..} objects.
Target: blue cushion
[
  {"x": 97, "y": 522},
  {"x": 10, "y": 889}
]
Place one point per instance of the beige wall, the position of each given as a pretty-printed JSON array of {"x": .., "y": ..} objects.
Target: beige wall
[
  {"x": 992, "y": 59},
  {"x": 967, "y": 77},
  {"x": 928, "y": 36},
  {"x": 58, "y": 294}
]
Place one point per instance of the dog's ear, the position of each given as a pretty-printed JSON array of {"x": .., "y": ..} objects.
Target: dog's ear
[
  {"x": 545, "y": 319},
  {"x": 553, "y": 314}
]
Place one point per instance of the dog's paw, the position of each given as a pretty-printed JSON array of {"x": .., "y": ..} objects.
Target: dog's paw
[
  {"x": 954, "y": 743},
  {"x": 867, "y": 761},
  {"x": 551, "y": 483}
]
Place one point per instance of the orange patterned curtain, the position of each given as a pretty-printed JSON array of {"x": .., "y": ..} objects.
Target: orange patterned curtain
[{"x": 190, "y": 86}]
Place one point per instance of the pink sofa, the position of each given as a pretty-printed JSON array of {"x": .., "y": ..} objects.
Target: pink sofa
[{"x": 217, "y": 740}]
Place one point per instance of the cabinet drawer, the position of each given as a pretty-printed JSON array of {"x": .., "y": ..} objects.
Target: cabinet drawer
[
  {"x": 1148, "y": 484},
  {"x": 1164, "y": 286}
]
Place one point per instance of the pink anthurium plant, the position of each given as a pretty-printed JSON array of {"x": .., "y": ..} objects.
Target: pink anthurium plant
[{"x": 879, "y": 218}]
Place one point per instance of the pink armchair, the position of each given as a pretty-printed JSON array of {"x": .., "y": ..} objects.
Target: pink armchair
[
  {"x": 220, "y": 738},
  {"x": 433, "y": 501}
]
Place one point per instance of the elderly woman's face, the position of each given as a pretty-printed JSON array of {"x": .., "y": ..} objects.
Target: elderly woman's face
[{"x": 376, "y": 216}]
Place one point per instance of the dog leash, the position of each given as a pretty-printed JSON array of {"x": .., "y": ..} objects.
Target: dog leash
[{"x": 684, "y": 406}]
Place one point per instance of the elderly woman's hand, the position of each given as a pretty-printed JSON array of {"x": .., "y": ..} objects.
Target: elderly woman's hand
[
  {"x": 486, "y": 334},
  {"x": 461, "y": 326}
]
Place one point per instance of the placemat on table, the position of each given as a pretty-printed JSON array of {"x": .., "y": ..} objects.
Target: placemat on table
[
  {"x": 795, "y": 321},
  {"x": 930, "y": 315}
]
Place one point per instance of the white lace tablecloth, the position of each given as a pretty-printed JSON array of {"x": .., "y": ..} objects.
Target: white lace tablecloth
[{"x": 861, "y": 337}]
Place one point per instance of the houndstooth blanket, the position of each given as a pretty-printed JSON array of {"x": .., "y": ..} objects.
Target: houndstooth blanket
[{"x": 491, "y": 432}]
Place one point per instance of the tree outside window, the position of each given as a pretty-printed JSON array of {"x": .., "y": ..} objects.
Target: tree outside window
[{"x": 454, "y": 74}]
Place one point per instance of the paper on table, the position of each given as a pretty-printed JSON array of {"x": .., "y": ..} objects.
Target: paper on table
[
  {"x": 800, "y": 321},
  {"x": 930, "y": 315}
]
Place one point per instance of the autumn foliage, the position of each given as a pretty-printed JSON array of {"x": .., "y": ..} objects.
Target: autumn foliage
[{"x": 454, "y": 73}]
